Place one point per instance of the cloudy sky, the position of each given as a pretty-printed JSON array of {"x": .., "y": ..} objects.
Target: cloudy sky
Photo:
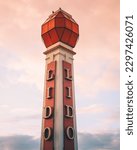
[{"x": 96, "y": 72}]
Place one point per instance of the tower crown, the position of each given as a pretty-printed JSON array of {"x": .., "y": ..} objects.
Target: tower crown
[{"x": 60, "y": 27}]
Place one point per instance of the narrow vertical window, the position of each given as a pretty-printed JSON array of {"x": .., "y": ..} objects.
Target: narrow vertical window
[
  {"x": 49, "y": 92},
  {"x": 67, "y": 74},
  {"x": 50, "y": 75},
  {"x": 68, "y": 92}
]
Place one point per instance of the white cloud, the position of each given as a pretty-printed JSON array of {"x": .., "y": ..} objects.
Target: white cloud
[
  {"x": 99, "y": 141},
  {"x": 22, "y": 61},
  {"x": 91, "y": 109},
  {"x": 19, "y": 142},
  {"x": 86, "y": 141}
]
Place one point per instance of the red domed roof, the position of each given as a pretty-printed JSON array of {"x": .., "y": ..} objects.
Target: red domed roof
[{"x": 60, "y": 27}]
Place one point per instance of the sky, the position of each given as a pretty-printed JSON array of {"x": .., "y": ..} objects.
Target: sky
[{"x": 96, "y": 72}]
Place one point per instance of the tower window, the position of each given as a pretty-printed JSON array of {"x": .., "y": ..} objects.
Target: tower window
[
  {"x": 50, "y": 75},
  {"x": 67, "y": 74},
  {"x": 68, "y": 92},
  {"x": 49, "y": 92}
]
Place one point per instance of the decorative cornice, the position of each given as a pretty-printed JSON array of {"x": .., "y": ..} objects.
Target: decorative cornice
[{"x": 59, "y": 45}]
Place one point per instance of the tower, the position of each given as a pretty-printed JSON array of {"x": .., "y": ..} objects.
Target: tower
[{"x": 60, "y": 33}]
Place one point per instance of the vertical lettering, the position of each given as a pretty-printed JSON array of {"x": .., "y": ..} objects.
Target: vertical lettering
[
  {"x": 67, "y": 74},
  {"x": 69, "y": 111},
  {"x": 50, "y": 75},
  {"x": 47, "y": 133},
  {"x": 47, "y": 112},
  {"x": 70, "y": 133},
  {"x": 49, "y": 92},
  {"x": 68, "y": 92}
]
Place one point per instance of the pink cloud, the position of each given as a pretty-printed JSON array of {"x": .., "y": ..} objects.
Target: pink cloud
[
  {"x": 99, "y": 36},
  {"x": 97, "y": 59},
  {"x": 93, "y": 109}
]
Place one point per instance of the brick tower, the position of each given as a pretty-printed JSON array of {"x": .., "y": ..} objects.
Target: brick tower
[{"x": 60, "y": 33}]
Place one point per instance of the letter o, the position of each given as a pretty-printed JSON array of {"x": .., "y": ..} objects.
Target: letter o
[
  {"x": 47, "y": 133},
  {"x": 70, "y": 133}
]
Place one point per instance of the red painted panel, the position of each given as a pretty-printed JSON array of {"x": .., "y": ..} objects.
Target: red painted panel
[
  {"x": 66, "y": 36},
  {"x": 68, "y": 24},
  {"x": 73, "y": 39},
  {"x": 75, "y": 27},
  {"x": 47, "y": 39},
  {"x": 49, "y": 122},
  {"x": 60, "y": 32},
  {"x": 51, "y": 24},
  {"x": 48, "y": 145},
  {"x": 68, "y": 144},
  {"x": 65, "y": 23},
  {"x": 53, "y": 36},
  {"x": 59, "y": 14},
  {"x": 44, "y": 28},
  {"x": 59, "y": 22}
]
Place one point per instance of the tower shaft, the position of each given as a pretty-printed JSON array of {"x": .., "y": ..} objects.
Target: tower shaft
[
  {"x": 59, "y": 119},
  {"x": 59, "y": 33}
]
